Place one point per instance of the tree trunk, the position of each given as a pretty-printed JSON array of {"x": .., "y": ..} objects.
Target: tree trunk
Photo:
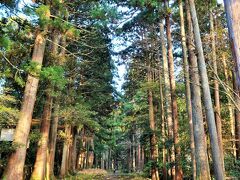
[
  {"x": 216, "y": 90},
  {"x": 74, "y": 150},
  {"x": 139, "y": 157},
  {"x": 187, "y": 85},
  {"x": 200, "y": 145},
  {"x": 153, "y": 138},
  {"x": 163, "y": 133},
  {"x": 16, "y": 161},
  {"x": 54, "y": 121},
  {"x": 65, "y": 153},
  {"x": 216, "y": 155},
  {"x": 52, "y": 138},
  {"x": 134, "y": 153},
  {"x": 41, "y": 156},
  {"x": 233, "y": 15},
  {"x": 167, "y": 94},
  {"x": 237, "y": 116},
  {"x": 230, "y": 105},
  {"x": 178, "y": 168}
]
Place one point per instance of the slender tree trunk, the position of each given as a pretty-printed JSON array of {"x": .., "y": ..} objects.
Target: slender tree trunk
[
  {"x": 237, "y": 116},
  {"x": 134, "y": 153},
  {"x": 216, "y": 90},
  {"x": 216, "y": 155},
  {"x": 187, "y": 85},
  {"x": 153, "y": 138},
  {"x": 142, "y": 157},
  {"x": 233, "y": 15},
  {"x": 54, "y": 121},
  {"x": 167, "y": 95},
  {"x": 65, "y": 153},
  {"x": 200, "y": 145},
  {"x": 102, "y": 162},
  {"x": 41, "y": 157},
  {"x": 139, "y": 157},
  {"x": 179, "y": 173},
  {"x": 230, "y": 105},
  {"x": 16, "y": 161},
  {"x": 74, "y": 150},
  {"x": 163, "y": 133},
  {"x": 53, "y": 137}
]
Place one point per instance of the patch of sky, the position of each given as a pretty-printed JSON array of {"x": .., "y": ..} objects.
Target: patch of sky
[{"x": 119, "y": 44}]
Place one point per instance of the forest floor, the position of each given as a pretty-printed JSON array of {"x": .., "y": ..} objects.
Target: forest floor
[{"x": 99, "y": 174}]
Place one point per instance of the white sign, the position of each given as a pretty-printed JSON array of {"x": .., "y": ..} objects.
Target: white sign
[{"x": 7, "y": 134}]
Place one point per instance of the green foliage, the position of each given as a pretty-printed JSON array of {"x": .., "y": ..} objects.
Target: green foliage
[
  {"x": 144, "y": 3},
  {"x": 33, "y": 68},
  {"x": 5, "y": 42},
  {"x": 103, "y": 13},
  {"x": 8, "y": 113},
  {"x": 232, "y": 166},
  {"x": 80, "y": 114},
  {"x": 44, "y": 14},
  {"x": 34, "y": 136},
  {"x": 55, "y": 75}
]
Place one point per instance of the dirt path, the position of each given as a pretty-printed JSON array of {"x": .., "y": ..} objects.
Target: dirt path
[
  {"x": 98, "y": 174},
  {"x": 120, "y": 176}
]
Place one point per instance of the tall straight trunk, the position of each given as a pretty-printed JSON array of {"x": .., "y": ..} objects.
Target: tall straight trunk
[
  {"x": 53, "y": 138},
  {"x": 153, "y": 137},
  {"x": 187, "y": 85},
  {"x": 230, "y": 105},
  {"x": 139, "y": 157},
  {"x": 237, "y": 116},
  {"x": 200, "y": 144},
  {"x": 54, "y": 121},
  {"x": 163, "y": 133},
  {"x": 134, "y": 153},
  {"x": 65, "y": 153},
  {"x": 102, "y": 162},
  {"x": 16, "y": 161},
  {"x": 216, "y": 90},
  {"x": 233, "y": 15},
  {"x": 142, "y": 157},
  {"x": 167, "y": 95},
  {"x": 41, "y": 157},
  {"x": 179, "y": 173},
  {"x": 74, "y": 150},
  {"x": 216, "y": 154}
]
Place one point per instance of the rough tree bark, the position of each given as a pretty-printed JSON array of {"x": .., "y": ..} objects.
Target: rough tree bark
[
  {"x": 200, "y": 145},
  {"x": 233, "y": 15},
  {"x": 187, "y": 85},
  {"x": 216, "y": 155},
  {"x": 162, "y": 121},
  {"x": 16, "y": 161},
  {"x": 230, "y": 105},
  {"x": 54, "y": 121},
  {"x": 41, "y": 165},
  {"x": 179, "y": 173},
  {"x": 65, "y": 153},
  {"x": 41, "y": 156},
  {"x": 216, "y": 89},
  {"x": 153, "y": 137},
  {"x": 74, "y": 151},
  {"x": 237, "y": 115},
  {"x": 167, "y": 94}
]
